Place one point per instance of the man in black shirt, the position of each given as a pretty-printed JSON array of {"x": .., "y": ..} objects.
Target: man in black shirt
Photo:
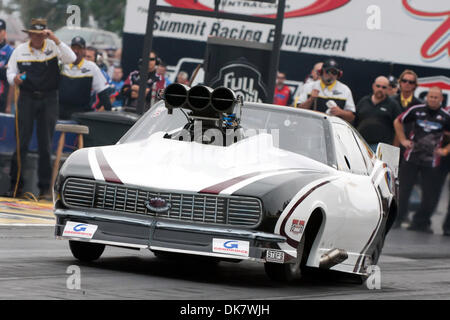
[
  {"x": 376, "y": 113},
  {"x": 422, "y": 156}
]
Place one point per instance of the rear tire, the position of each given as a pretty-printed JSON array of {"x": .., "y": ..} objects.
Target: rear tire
[
  {"x": 86, "y": 251},
  {"x": 287, "y": 272}
]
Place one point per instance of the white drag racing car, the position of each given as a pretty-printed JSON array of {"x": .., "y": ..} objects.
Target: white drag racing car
[{"x": 203, "y": 174}]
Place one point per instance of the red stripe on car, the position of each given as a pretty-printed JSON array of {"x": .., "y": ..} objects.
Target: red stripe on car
[
  {"x": 107, "y": 171},
  {"x": 218, "y": 188}
]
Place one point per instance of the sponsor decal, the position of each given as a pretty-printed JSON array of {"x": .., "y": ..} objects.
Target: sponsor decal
[
  {"x": 48, "y": 52},
  {"x": 429, "y": 126},
  {"x": 79, "y": 230},
  {"x": 157, "y": 204},
  {"x": 294, "y": 8},
  {"x": 297, "y": 226},
  {"x": 437, "y": 46},
  {"x": 244, "y": 79},
  {"x": 233, "y": 247},
  {"x": 276, "y": 256}
]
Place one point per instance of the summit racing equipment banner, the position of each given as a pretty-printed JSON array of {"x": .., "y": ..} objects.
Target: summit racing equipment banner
[
  {"x": 407, "y": 32},
  {"x": 368, "y": 37}
]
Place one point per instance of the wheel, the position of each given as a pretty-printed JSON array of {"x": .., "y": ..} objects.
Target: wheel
[
  {"x": 287, "y": 272},
  {"x": 86, "y": 251}
]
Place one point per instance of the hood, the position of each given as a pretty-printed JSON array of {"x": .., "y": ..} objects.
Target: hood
[{"x": 166, "y": 164}]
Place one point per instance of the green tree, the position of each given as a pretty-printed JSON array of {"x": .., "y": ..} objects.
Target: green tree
[
  {"x": 54, "y": 11},
  {"x": 108, "y": 14}
]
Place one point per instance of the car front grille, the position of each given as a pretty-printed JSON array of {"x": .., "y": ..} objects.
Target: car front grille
[{"x": 194, "y": 207}]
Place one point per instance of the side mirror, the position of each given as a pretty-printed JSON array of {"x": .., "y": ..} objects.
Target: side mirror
[{"x": 390, "y": 155}]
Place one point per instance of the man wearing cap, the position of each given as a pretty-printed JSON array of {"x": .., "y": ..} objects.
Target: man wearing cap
[
  {"x": 393, "y": 86},
  {"x": 78, "y": 81},
  {"x": 34, "y": 68},
  {"x": 328, "y": 94},
  {"x": 5, "y": 53}
]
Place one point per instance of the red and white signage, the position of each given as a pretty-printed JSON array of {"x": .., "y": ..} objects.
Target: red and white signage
[{"x": 408, "y": 32}]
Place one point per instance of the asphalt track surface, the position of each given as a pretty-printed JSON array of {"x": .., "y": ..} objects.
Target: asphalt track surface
[{"x": 34, "y": 265}]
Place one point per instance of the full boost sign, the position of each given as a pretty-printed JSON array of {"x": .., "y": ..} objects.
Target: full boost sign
[
  {"x": 244, "y": 79},
  {"x": 240, "y": 66}
]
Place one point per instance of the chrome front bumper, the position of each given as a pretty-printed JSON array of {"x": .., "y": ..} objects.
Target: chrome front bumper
[{"x": 152, "y": 233}]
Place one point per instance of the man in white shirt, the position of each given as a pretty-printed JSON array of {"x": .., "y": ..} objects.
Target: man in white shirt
[
  {"x": 79, "y": 80},
  {"x": 34, "y": 68},
  {"x": 328, "y": 94}
]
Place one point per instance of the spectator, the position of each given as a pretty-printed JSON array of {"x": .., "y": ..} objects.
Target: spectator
[
  {"x": 5, "y": 53},
  {"x": 406, "y": 99},
  {"x": 314, "y": 75},
  {"x": 393, "y": 86},
  {"x": 162, "y": 71},
  {"x": 78, "y": 81},
  {"x": 183, "y": 78},
  {"x": 408, "y": 84},
  {"x": 116, "y": 85},
  {"x": 375, "y": 115},
  {"x": 92, "y": 54},
  {"x": 130, "y": 89},
  {"x": 283, "y": 95},
  {"x": 422, "y": 156},
  {"x": 329, "y": 90},
  {"x": 33, "y": 67}
]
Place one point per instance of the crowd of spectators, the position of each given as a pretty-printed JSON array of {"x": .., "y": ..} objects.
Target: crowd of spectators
[{"x": 391, "y": 114}]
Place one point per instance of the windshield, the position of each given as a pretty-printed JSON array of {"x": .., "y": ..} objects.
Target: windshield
[{"x": 298, "y": 132}]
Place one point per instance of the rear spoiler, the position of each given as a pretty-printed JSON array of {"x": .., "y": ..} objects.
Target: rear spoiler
[{"x": 390, "y": 155}]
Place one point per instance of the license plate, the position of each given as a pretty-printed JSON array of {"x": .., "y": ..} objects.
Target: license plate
[
  {"x": 276, "y": 256},
  {"x": 79, "y": 230}
]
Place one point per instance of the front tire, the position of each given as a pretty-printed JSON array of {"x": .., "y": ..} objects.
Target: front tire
[
  {"x": 86, "y": 251},
  {"x": 287, "y": 272}
]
